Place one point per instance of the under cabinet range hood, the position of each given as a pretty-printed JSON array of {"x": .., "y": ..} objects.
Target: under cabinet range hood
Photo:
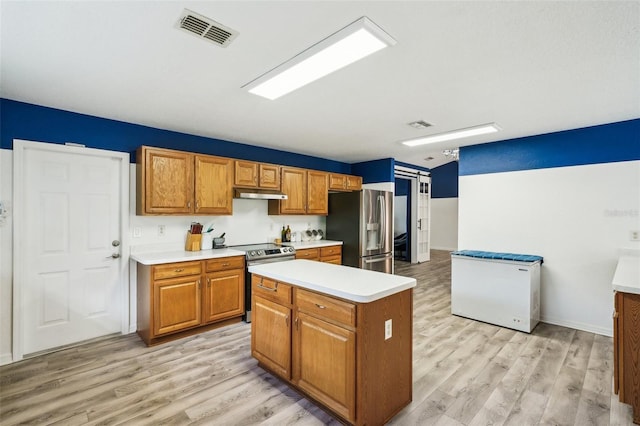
[{"x": 258, "y": 194}]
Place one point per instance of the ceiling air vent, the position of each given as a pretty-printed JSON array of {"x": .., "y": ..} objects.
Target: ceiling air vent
[{"x": 206, "y": 28}]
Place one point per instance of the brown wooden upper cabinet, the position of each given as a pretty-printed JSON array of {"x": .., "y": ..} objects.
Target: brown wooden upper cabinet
[
  {"x": 307, "y": 192},
  {"x": 180, "y": 183},
  {"x": 339, "y": 182},
  {"x": 250, "y": 174}
]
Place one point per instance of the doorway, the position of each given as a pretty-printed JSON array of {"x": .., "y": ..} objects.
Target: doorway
[
  {"x": 417, "y": 184},
  {"x": 70, "y": 244}
]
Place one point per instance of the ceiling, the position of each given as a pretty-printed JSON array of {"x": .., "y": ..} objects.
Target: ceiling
[{"x": 531, "y": 67}]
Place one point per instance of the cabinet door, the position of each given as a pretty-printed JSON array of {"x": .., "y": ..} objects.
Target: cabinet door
[
  {"x": 246, "y": 174},
  {"x": 317, "y": 193},
  {"x": 176, "y": 304},
  {"x": 337, "y": 182},
  {"x": 271, "y": 335},
  {"x": 213, "y": 185},
  {"x": 269, "y": 176},
  {"x": 224, "y": 295},
  {"x": 294, "y": 184},
  {"x": 324, "y": 363},
  {"x": 354, "y": 183},
  {"x": 167, "y": 180}
]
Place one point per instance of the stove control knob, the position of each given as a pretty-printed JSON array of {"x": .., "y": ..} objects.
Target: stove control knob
[
  {"x": 261, "y": 252},
  {"x": 252, "y": 253}
]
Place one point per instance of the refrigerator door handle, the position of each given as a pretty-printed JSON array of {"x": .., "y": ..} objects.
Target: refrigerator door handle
[
  {"x": 382, "y": 259},
  {"x": 383, "y": 220}
]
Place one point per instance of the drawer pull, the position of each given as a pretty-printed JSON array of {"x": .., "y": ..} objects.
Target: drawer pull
[
  {"x": 226, "y": 264},
  {"x": 320, "y": 306},
  {"x": 179, "y": 270},
  {"x": 268, "y": 288}
]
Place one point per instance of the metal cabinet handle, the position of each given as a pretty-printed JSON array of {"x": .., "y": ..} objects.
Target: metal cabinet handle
[
  {"x": 188, "y": 204},
  {"x": 226, "y": 264},
  {"x": 178, "y": 270},
  {"x": 268, "y": 288},
  {"x": 209, "y": 282},
  {"x": 321, "y": 306}
]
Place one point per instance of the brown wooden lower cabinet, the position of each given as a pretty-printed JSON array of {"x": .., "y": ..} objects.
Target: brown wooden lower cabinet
[
  {"x": 183, "y": 298},
  {"x": 334, "y": 350},
  {"x": 328, "y": 254},
  {"x": 626, "y": 350}
]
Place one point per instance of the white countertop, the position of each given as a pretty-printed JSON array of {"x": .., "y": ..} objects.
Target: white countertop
[
  {"x": 300, "y": 245},
  {"x": 183, "y": 256},
  {"x": 354, "y": 284},
  {"x": 627, "y": 276}
]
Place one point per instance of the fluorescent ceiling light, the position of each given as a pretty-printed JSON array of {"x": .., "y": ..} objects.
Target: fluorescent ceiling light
[
  {"x": 355, "y": 41},
  {"x": 454, "y": 134}
]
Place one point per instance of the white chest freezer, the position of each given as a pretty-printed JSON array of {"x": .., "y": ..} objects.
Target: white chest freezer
[{"x": 497, "y": 288}]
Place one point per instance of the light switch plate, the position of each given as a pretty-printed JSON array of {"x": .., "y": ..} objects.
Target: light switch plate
[{"x": 388, "y": 327}]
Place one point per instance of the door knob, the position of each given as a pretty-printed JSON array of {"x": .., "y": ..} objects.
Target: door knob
[
  {"x": 114, "y": 256},
  {"x": 115, "y": 243}
]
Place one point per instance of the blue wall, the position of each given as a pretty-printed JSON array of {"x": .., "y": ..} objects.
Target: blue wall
[
  {"x": 375, "y": 171},
  {"x": 42, "y": 124},
  {"x": 606, "y": 143},
  {"x": 444, "y": 181},
  {"x": 402, "y": 187}
]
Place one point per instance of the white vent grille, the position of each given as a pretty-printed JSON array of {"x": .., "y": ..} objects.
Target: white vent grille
[{"x": 206, "y": 28}]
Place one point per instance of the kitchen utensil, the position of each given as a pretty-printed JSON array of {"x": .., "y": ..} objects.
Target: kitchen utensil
[{"x": 218, "y": 242}]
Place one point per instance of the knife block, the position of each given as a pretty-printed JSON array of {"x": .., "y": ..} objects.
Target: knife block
[{"x": 193, "y": 242}]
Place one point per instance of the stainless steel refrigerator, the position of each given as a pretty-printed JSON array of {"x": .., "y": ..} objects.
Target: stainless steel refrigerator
[{"x": 363, "y": 220}]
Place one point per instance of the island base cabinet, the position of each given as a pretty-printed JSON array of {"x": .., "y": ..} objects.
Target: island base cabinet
[
  {"x": 324, "y": 362},
  {"x": 271, "y": 335},
  {"x": 339, "y": 354},
  {"x": 626, "y": 341}
]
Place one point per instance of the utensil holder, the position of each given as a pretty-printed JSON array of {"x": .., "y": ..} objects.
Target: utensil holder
[{"x": 193, "y": 242}]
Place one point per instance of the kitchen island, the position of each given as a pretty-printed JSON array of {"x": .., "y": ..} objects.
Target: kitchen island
[{"x": 340, "y": 335}]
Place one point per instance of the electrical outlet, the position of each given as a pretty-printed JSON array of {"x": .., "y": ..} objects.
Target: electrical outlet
[
  {"x": 137, "y": 232},
  {"x": 161, "y": 230},
  {"x": 634, "y": 236},
  {"x": 388, "y": 327}
]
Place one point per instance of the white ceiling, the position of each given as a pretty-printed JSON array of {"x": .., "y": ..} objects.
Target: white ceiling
[{"x": 531, "y": 67}]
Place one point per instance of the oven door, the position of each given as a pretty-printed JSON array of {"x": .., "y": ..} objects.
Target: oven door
[{"x": 247, "y": 280}]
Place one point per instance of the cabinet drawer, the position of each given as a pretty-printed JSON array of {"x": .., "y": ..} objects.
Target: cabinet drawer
[
  {"x": 310, "y": 254},
  {"x": 225, "y": 263},
  {"x": 326, "y": 307},
  {"x": 172, "y": 270},
  {"x": 330, "y": 251},
  {"x": 271, "y": 289}
]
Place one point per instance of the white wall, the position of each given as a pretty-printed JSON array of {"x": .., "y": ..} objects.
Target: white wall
[
  {"x": 6, "y": 255},
  {"x": 577, "y": 218},
  {"x": 444, "y": 224}
]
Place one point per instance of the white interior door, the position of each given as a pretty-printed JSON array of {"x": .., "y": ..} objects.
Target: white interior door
[
  {"x": 421, "y": 196},
  {"x": 70, "y": 282}
]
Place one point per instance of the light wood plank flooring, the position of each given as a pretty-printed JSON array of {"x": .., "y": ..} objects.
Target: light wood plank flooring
[{"x": 465, "y": 373}]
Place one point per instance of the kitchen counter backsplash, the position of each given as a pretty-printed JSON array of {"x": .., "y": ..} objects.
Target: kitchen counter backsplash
[{"x": 249, "y": 224}]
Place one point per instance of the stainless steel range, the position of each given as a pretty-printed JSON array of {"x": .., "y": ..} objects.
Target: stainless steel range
[{"x": 257, "y": 254}]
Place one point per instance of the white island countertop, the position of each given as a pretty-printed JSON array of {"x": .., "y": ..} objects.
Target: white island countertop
[
  {"x": 627, "y": 276},
  {"x": 354, "y": 284},
  {"x": 157, "y": 258}
]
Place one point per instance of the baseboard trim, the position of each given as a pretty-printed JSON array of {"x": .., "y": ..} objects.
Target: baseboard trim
[
  {"x": 579, "y": 326},
  {"x": 6, "y": 359}
]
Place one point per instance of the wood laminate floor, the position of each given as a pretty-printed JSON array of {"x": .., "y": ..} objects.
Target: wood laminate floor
[{"x": 464, "y": 373}]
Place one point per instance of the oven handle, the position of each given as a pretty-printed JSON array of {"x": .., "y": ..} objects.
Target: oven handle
[{"x": 272, "y": 260}]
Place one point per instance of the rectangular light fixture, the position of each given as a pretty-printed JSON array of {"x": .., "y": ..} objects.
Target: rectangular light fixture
[
  {"x": 350, "y": 44},
  {"x": 454, "y": 134}
]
